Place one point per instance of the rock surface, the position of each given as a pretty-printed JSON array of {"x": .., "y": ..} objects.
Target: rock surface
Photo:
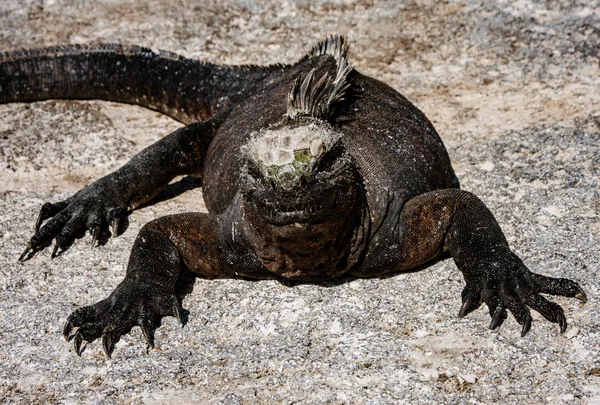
[{"x": 513, "y": 87}]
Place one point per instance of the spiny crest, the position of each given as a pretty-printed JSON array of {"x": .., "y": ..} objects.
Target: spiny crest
[
  {"x": 317, "y": 98},
  {"x": 335, "y": 46}
]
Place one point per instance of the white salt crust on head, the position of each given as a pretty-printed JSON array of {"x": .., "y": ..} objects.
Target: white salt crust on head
[{"x": 279, "y": 147}]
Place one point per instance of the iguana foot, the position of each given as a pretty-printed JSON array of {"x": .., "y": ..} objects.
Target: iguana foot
[
  {"x": 93, "y": 208},
  {"x": 517, "y": 289},
  {"x": 132, "y": 303}
]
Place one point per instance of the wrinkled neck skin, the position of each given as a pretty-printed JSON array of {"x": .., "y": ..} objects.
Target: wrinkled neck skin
[{"x": 315, "y": 250}]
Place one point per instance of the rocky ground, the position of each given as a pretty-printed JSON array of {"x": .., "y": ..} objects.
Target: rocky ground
[{"x": 513, "y": 87}]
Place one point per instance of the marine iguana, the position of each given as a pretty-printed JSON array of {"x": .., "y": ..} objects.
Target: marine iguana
[{"x": 310, "y": 171}]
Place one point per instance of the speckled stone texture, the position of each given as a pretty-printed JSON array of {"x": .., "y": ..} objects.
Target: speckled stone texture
[{"x": 513, "y": 87}]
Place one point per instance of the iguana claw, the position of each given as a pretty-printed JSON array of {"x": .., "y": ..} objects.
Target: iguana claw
[
  {"x": 115, "y": 217},
  {"x": 176, "y": 310},
  {"x": 79, "y": 344},
  {"x": 68, "y": 331},
  {"x": 56, "y": 247},
  {"x": 562, "y": 322},
  {"x": 108, "y": 345},
  {"x": 149, "y": 336},
  {"x": 95, "y": 233},
  {"x": 27, "y": 250},
  {"x": 581, "y": 296},
  {"x": 526, "y": 325},
  {"x": 498, "y": 317}
]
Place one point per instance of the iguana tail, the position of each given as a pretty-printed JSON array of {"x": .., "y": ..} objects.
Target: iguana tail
[{"x": 184, "y": 89}]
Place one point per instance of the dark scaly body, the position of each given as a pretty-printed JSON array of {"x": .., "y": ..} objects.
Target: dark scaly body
[{"x": 310, "y": 171}]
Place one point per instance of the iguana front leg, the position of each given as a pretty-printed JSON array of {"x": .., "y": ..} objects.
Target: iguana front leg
[
  {"x": 165, "y": 251},
  {"x": 108, "y": 200},
  {"x": 458, "y": 222}
]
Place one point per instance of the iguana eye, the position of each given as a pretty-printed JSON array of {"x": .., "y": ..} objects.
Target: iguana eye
[{"x": 329, "y": 160}]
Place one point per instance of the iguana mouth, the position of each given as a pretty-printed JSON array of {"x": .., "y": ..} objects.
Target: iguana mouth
[{"x": 282, "y": 211}]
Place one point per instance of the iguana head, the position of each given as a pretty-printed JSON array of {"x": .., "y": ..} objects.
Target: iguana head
[
  {"x": 304, "y": 209},
  {"x": 297, "y": 172},
  {"x": 303, "y": 200}
]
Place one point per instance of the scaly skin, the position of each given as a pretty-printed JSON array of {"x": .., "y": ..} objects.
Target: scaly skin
[{"x": 310, "y": 171}]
